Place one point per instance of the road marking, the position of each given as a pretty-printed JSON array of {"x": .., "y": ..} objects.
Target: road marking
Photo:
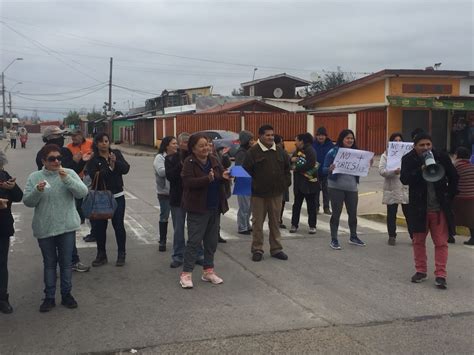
[
  {"x": 130, "y": 196},
  {"x": 367, "y": 193}
]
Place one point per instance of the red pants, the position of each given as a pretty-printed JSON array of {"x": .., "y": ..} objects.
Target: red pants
[{"x": 438, "y": 227}]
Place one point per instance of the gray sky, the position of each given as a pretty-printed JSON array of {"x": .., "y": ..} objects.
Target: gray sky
[{"x": 156, "y": 45}]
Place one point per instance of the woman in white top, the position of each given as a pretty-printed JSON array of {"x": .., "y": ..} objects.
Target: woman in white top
[
  {"x": 394, "y": 192},
  {"x": 168, "y": 146}
]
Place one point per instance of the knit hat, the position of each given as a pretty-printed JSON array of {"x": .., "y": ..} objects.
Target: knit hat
[
  {"x": 245, "y": 137},
  {"x": 321, "y": 131},
  {"x": 420, "y": 136},
  {"x": 52, "y": 132}
]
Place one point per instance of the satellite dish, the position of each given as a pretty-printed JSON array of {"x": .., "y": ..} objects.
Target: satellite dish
[
  {"x": 302, "y": 92},
  {"x": 278, "y": 93}
]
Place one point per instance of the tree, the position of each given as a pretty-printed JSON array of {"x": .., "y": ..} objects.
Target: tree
[
  {"x": 94, "y": 115},
  {"x": 330, "y": 81},
  {"x": 72, "y": 119},
  {"x": 237, "y": 92}
]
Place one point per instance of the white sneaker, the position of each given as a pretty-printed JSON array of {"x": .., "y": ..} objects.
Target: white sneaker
[
  {"x": 210, "y": 276},
  {"x": 312, "y": 231},
  {"x": 186, "y": 280},
  {"x": 293, "y": 229}
]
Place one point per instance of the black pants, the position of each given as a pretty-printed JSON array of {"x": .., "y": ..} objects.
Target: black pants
[
  {"x": 323, "y": 186},
  {"x": 392, "y": 219},
  {"x": 13, "y": 143},
  {"x": 4, "y": 246},
  {"x": 99, "y": 228},
  {"x": 311, "y": 205},
  {"x": 338, "y": 199}
]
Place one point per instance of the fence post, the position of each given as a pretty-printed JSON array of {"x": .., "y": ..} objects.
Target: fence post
[
  {"x": 310, "y": 124},
  {"x": 174, "y": 126},
  {"x": 242, "y": 122},
  {"x": 163, "y": 122},
  {"x": 352, "y": 122}
]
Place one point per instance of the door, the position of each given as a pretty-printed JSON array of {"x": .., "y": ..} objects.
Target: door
[{"x": 414, "y": 119}]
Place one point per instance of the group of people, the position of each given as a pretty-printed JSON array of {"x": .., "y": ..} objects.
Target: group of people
[
  {"x": 193, "y": 183},
  {"x": 13, "y": 134}
]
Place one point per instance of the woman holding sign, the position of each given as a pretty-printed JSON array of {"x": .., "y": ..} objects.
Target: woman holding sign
[
  {"x": 394, "y": 192},
  {"x": 342, "y": 190}
]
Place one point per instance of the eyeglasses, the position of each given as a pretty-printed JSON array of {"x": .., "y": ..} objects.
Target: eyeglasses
[{"x": 59, "y": 158}]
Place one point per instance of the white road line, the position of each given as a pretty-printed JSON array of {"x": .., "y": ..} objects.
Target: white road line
[
  {"x": 130, "y": 196},
  {"x": 137, "y": 229}
]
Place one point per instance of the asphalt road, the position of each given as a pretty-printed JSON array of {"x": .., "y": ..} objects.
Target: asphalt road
[{"x": 357, "y": 300}]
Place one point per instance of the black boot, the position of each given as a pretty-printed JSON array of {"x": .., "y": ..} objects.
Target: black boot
[
  {"x": 120, "y": 259},
  {"x": 101, "y": 259},
  {"x": 163, "y": 232},
  {"x": 5, "y": 306}
]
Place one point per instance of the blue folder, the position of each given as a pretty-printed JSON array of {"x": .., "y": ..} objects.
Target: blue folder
[{"x": 243, "y": 181}]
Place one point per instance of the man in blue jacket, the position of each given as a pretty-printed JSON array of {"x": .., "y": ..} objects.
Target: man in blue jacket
[{"x": 322, "y": 145}]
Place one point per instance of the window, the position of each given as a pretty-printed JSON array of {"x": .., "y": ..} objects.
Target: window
[{"x": 471, "y": 89}]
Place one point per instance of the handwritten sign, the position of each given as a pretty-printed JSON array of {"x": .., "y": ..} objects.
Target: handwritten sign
[
  {"x": 395, "y": 152},
  {"x": 352, "y": 162}
]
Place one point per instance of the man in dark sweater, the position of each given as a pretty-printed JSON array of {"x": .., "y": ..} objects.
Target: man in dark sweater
[
  {"x": 269, "y": 168},
  {"x": 322, "y": 145}
]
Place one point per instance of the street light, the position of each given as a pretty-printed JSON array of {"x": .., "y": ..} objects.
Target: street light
[
  {"x": 10, "y": 101},
  {"x": 3, "y": 88}
]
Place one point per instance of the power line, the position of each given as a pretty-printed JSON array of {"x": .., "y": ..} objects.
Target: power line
[
  {"x": 58, "y": 100},
  {"x": 64, "y": 92}
]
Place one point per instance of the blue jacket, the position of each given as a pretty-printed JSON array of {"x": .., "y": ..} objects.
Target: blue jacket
[
  {"x": 321, "y": 151},
  {"x": 328, "y": 160}
]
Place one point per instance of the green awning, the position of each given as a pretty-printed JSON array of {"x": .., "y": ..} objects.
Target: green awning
[{"x": 431, "y": 102}]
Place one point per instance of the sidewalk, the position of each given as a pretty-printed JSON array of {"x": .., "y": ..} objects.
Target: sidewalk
[{"x": 135, "y": 150}]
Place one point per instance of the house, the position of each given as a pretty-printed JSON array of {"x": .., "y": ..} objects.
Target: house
[
  {"x": 248, "y": 105},
  {"x": 281, "y": 86},
  {"x": 400, "y": 100},
  {"x": 180, "y": 97}
]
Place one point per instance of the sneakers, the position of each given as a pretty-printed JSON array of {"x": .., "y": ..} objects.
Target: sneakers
[
  {"x": 101, "y": 259},
  {"x": 440, "y": 283},
  {"x": 312, "y": 230},
  {"x": 175, "y": 264},
  {"x": 247, "y": 232},
  {"x": 293, "y": 229},
  {"x": 120, "y": 259},
  {"x": 335, "y": 244},
  {"x": 391, "y": 241},
  {"x": 186, "y": 280},
  {"x": 5, "y": 306},
  {"x": 162, "y": 247},
  {"x": 257, "y": 257},
  {"x": 89, "y": 238},
  {"x": 418, "y": 277},
  {"x": 282, "y": 226},
  {"x": 80, "y": 267},
  {"x": 47, "y": 305},
  {"x": 68, "y": 301},
  {"x": 210, "y": 276},
  {"x": 280, "y": 255},
  {"x": 221, "y": 240},
  {"x": 327, "y": 211},
  {"x": 356, "y": 241}
]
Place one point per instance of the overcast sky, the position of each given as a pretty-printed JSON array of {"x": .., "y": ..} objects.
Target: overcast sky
[{"x": 156, "y": 45}]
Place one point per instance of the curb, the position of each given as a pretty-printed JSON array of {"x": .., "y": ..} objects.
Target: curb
[
  {"x": 136, "y": 154},
  {"x": 382, "y": 217}
]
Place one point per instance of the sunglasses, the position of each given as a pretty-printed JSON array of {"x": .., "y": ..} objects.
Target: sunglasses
[{"x": 53, "y": 159}]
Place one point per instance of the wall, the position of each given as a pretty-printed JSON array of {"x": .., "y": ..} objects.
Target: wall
[
  {"x": 369, "y": 94},
  {"x": 333, "y": 122},
  {"x": 200, "y": 122},
  {"x": 144, "y": 132},
  {"x": 288, "y": 125},
  {"x": 266, "y": 88},
  {"x": 395, "y": 85},
  {"x": 464, "y": 87},
  {"x": 198, "y": 92},
  {"x": 116, "y": 128},
  {"x": 371, "y": 132}
]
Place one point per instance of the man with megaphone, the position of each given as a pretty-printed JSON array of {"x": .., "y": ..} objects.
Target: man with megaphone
[{"x": 432, "y": 181}]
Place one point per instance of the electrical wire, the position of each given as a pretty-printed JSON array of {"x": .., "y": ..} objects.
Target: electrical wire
[
  {"x": 57, "y": 100},
  {"x": 65, "y": 92}
]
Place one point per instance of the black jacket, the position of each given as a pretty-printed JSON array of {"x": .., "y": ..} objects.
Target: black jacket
[
  {"x": 300, "y": 182},
  {"x": 112, "y": 178},
  {"x": 446, "y": 189},
  {"x": 6, "y": 217},
  {"x": 173, "y": 167}
]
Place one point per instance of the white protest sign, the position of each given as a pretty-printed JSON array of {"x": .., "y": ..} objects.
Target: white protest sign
[
  {"x": 352, "y": 162},
  {"x": 395, "y": 152}
]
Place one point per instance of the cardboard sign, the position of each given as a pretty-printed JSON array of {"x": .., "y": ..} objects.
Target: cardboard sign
[
  {"x": 395, "y": 152},
  {"x": 243, "y": 181},
  {"x": 352, "y": 162}
]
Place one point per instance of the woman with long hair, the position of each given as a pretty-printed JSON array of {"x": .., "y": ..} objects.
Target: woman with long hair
[
  {"x": 111, "y": 166},
  {"x": 342, "y": 190},
  {"x": 168, "y": 146},
  {"x": 394, "y": 192},
  {"x": 9, "y": 192},
  {"x": 204, "y": 199}
]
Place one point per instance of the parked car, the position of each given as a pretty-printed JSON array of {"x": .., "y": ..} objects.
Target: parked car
[{"x": 222, "y": 138}]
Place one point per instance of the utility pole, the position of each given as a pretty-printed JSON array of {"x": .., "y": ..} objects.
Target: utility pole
[
  {"x": 10, "y": 106},
  {"x": 110, "y": 87},
  {"x": 3, "y": 98}
]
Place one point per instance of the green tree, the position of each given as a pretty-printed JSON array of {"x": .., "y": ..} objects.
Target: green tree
[
  {"x": 330, "y": 81},
  {"x": 94, "y": 115},
  {"x": 237, "y": 92},
  {"x": 72, "y": 119}
]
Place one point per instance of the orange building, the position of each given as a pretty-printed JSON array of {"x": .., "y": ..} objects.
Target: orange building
[{"x": 400, "y": 100}]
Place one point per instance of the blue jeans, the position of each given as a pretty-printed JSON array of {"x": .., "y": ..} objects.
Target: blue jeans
[
  {"x": 164, "y": 209},
  {"x": 57, "y": 249},
  {"x": 243, "y": 215},
  {"x": 178, "y": 215}
]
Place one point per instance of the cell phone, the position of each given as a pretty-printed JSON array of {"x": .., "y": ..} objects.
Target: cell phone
[{"x": 3, "y": 176}]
